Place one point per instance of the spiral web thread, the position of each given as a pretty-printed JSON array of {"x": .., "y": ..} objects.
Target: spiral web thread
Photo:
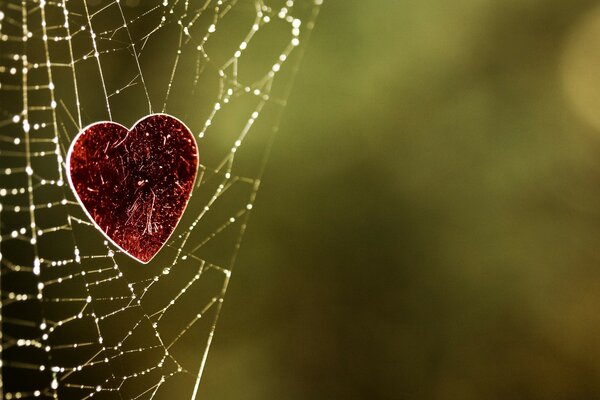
[{"x": 79, "y": 319}]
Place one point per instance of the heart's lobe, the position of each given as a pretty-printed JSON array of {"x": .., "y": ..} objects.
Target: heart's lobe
[{"x": 134, "y": 183}]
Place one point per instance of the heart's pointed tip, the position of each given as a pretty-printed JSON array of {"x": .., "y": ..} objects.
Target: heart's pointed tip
[
  {"x": 142, "y": 258},
  {"x": 146, "y": 261}
]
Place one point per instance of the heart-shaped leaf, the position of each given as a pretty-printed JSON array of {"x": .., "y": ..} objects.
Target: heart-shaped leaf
[{"x": 134, "y": 183}]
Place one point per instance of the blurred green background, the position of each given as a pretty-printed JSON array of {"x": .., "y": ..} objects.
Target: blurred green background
[{"x": 429, "y": 223}]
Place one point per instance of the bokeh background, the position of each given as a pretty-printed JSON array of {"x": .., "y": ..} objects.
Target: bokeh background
[{"x": 429, "y": 222}]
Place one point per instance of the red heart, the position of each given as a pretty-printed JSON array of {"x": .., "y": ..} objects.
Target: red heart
[{"x": 134, "y": 184}]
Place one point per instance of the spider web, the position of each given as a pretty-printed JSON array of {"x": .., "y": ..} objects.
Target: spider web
[{"x": 79, "y": 319}]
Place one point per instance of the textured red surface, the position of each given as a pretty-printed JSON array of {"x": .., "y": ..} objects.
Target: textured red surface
[{"x": 135, "y": 184}]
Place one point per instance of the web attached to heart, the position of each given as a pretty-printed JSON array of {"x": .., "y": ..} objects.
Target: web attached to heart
[{"x": 79, "y": 319}]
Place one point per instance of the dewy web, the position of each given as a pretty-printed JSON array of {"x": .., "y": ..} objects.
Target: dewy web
[{"x": 79, "y": 319}]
